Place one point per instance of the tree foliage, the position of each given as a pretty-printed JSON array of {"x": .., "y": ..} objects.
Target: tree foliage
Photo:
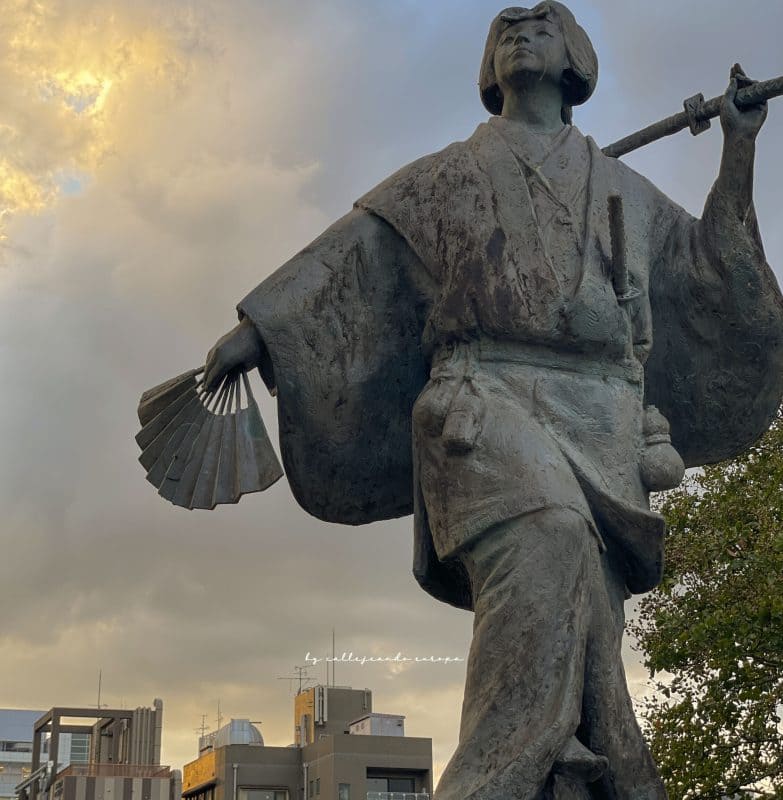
[{"x": 713, "y": 631}]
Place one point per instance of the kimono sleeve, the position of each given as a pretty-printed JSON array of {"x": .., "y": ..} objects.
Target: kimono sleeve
[
  {"x": 716, "y": 365},
  {"x": 341, "y": 323}
]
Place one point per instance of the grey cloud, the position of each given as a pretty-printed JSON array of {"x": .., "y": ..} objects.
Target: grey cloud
[{"x": 272, "y": 122}]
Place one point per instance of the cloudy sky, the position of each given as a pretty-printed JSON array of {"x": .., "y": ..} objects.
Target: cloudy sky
[{"x": 158, "y": 159}]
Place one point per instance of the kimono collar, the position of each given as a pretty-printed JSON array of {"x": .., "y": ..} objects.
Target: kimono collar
[{"x": 519, "y": 137}]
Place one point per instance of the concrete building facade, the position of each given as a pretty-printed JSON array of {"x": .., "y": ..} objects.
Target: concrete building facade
[
  {"x": 123, "y": 762},
  {"x": 342, "y": 751},
  {"x": 16, "y": 748}
]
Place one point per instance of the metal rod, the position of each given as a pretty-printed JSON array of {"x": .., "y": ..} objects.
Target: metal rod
[{"x": 749, "y": 96}]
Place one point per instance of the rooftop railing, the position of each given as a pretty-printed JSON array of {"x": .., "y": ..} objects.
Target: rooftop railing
[{"x": 397, "y": 796}]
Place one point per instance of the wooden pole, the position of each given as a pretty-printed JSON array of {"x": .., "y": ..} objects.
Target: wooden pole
[{"x": 749, "y": 96}]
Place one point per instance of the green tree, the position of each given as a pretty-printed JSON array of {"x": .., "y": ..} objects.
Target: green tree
[{"x": 712, "y": 633}]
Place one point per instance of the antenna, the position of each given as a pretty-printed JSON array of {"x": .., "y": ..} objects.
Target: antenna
[
  {"x": 219, "y": 716},
  {"x": 100, "y": 705},
  {"x": 202, "y": 729},
  {"x": 301, "y": 676}
]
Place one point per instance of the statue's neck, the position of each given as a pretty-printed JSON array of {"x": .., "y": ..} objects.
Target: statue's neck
[{"x": 538, "y": 106}]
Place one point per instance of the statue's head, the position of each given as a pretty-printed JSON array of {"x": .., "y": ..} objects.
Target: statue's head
[{"x": 560, "y": 51}]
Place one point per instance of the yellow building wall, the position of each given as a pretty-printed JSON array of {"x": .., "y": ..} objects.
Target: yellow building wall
[
  {"x": 202, "y": 770},
  {"x": 304, "y": 703}
]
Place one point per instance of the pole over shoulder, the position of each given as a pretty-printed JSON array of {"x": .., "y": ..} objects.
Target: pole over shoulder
[{"x": 697, "y": 115}]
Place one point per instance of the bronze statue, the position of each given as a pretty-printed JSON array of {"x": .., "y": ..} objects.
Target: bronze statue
[{"x": 556, "y": 338}]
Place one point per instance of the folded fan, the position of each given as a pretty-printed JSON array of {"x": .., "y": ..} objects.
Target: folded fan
[{"x": 202, "y": 448}]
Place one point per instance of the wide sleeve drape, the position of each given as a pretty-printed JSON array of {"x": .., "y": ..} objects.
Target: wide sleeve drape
[
  {"x": 716, "y": 366},
  {"x": 341, "y": 322}
]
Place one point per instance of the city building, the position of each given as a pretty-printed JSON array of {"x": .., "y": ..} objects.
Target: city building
[
  {"x": 122, "y": 761},
  {"x": 16, "y": 748},
  {"x": 342, "y": 750}
]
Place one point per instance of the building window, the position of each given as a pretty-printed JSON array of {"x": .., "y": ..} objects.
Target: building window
[
  {"x": 377, "y": 784},
  {"x": 8, "y": 746},
  {"x": 344, "y": 791},
  {"x": 317, "y": 786},
  {"x": 263, "y": 794},
  {"x": 80, "y": 748}
]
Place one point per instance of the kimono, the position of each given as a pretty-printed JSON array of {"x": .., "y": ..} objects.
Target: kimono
[{"x": 456, "y": 346}]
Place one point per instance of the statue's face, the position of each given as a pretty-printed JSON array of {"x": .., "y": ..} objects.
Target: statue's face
[{"x": 530, "y": 48}]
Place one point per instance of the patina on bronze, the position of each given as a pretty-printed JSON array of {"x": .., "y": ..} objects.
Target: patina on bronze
[{"x": 556, "y": 338}]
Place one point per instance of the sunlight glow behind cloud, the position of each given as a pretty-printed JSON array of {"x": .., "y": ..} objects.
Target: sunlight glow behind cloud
[{"x": 68, "y": 71}]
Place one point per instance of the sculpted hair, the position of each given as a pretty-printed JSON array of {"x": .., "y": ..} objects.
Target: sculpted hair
[{"x": 581, "y": 75}]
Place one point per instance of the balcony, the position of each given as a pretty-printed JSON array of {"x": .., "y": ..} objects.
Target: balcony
[
  {"x": 116, "y": 771},
  {"x": 397, "y": 796}
]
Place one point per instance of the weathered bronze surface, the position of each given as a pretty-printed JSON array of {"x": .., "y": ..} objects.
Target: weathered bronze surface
[{"x": 518, "y": 338}]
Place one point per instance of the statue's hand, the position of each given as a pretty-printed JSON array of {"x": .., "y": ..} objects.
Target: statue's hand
[
  {"x": 740, "y": 124},
  {"x": 240, "y": 348}
]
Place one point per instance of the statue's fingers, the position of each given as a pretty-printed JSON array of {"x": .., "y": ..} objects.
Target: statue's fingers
[
  {"x": 212, "y": 374},
  {"x": 730, "y": 94},
  {"x": 739, "y": 80},
  {"x": 736, "y": 70},
  {"x": 742, "y": 79}
]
